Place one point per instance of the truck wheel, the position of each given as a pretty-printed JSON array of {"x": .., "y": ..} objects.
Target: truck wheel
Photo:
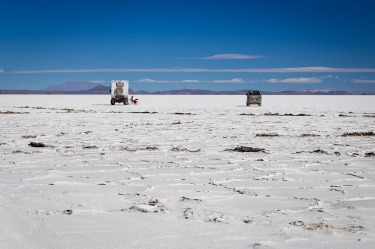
[
  {"x": 112, "y": 101},
  {"x": 126, "y": 102}
]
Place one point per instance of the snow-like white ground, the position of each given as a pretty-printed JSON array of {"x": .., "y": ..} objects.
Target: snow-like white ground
[{"x": 164, "y": 173}]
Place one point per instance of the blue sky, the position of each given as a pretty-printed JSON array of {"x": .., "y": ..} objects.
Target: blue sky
[{"x": 271, "y": 45}]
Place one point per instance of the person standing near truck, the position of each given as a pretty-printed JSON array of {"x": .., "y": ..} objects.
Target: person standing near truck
[{"x": 133, "y": 100}]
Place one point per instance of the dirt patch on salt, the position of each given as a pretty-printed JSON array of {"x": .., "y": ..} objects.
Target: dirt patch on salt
[
  {"x": 267, "y": 135},
  {"x": 38, "y": 145},
  {"x": 246, "y": 149},
  {"x": 286, "y": 114},
  {"x": 11, "y": 112},
  {"x": 148, "y": 148},
  {"x": 177, "y": 149},
  {"x": 322, "y": 225},
  {"x": 358, "y": 134},
  {"x": 309, "y": 135}
]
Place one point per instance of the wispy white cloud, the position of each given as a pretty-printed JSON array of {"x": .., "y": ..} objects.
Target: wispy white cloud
[
  {"x": 203, "y": 70},
  {"x": 151, "y": 81},
  {"x": 330, "y": 77},
  {"x": 312, "y": 70},
  {"x": 123, "y": 70},
  {"x": 300, "y": 80},
  {"x": 230, "y": 57},
  {"x": 1, "y": 71},
  {"x": 235, "y": 80},
  {"x": 363, "y": 81},
  {"x": 166, "y": 81},
  {"x": 190, "y": 81}
]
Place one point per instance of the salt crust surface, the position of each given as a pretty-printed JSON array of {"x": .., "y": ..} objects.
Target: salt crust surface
[{"x": 163, "y": 174}]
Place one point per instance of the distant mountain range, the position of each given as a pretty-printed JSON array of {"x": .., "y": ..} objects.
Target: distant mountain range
[
  {"x": 94, "y": 88},
  {"x": 71, "y": 86}
]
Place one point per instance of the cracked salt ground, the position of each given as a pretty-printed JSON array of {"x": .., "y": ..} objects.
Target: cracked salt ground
[{"x": 166, "y": 175}]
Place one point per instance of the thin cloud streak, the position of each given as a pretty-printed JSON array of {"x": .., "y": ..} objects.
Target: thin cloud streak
[
  {"x": 300, "y": 80},
  {"x": 363, "y": 81},
  {"x": 229, "y": 57},
  {"x": 190, "y": 81},
  {"x": 235, "y": 80},
  {"x": 166, "y": 81},
  {"x": 151, "y": 81},
  {"x": 203, "y": 70}
]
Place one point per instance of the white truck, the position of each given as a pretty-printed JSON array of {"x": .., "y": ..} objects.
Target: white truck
[{"x": 120, "y": 92}]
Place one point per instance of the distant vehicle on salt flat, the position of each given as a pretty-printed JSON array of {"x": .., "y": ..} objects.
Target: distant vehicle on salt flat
[
  {"x": 119, "y": 92},
  {"x": 254, "y": 97}
]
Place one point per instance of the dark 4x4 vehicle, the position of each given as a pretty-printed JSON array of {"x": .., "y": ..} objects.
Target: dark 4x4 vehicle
[{"x": 254, "y": 97}]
